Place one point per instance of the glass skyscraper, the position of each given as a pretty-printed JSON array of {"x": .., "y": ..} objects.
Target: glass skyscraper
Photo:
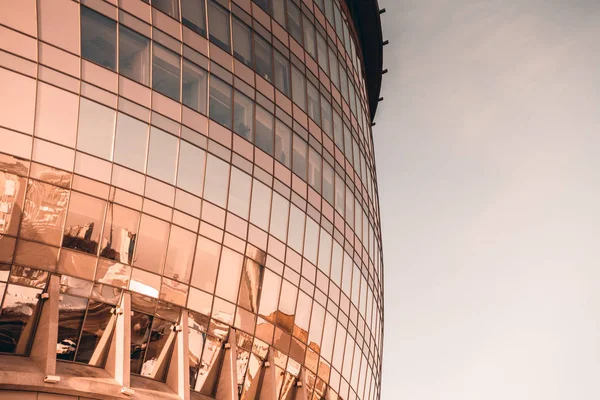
[{"x": 188, "y": 199}]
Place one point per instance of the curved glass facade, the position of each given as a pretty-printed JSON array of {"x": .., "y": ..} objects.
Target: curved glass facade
[{"x": 209, "y": 160}]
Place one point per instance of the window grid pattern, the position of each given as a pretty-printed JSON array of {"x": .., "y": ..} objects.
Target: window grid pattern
[{"x": 134, "y": 190}]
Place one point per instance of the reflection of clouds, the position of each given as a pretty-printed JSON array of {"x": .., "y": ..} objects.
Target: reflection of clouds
[{"x": 142, "y": 288}]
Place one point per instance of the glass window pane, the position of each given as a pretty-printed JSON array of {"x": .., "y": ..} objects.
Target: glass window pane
[
  {"x": 194, "y": 87},
  {"x": 130, "y": 142},
  {"x": 190, "y": 172},
  {"x": 296, "y": 229},
  {"x": 193, "y": 14},
  {"x": 169, "y": 7},
  {"x": 71, "y": 311},
  {"x": 180, "y": 254},
  {"x": 309, "y": 36},
  {"x": 94, "y": 331},
  {"x": 119, "y": 234},
  {"x": 239, "y": 194},
  {"x": 299, "y": 88},
  {"x": 263, "y": 58},
  {"x": 230, "y": 269},
  {"x": 84, "y": 222},
  {"x": 327, "y": 123},
  {"x": 134, "y": 55},
  {"x": 218, "y": 25},
  {"x": 324, "y": 252},
  {"x": 220, "y": 102},
  {"x": 166, "y": 71},
  {"x": 96, "y": 128},
  {"x": 293, "y": 24},
  {"x": 206, "y": 262},
  {"x": 242, "y": 42},
  {"x": 261, "y": 205},
  {"x": 340, "y": 189},
  {"x": 265, "y": 5},
  {"x": 44, "y": 213},
  {"x": 328, "y": 182},
  {"x": 311, "y": 240},
  {"x": 299, "y": 160},
  {"x": 283, "y": 143},
  {"x": 333, "y": 68},
  {"x": 279, "y": 11},
  {"x": 269, "y": 295},
  {"x": 314, "y": 169},
  {"x": 151, "y": 246},
  {"x": 338, "y": 131},
  {"x": 282, "y": 73},
  {"x": 162, "y": 155},
  {"x": 98, "y": 38},
  {"x": 264, "y": 130},
  {"x": 217, "y": 181},
  {"x": 18, "y": 308},
  {"x": 303, "y": 310},
  {"x": 140, "y": 333},
  {"x": 322, "y": 53},
  {"x": 279, "y": 217},
  {"x": 249, "y": 286},
  {"x": 314, "y": 109},
  {"x": 243, "y": 116}
]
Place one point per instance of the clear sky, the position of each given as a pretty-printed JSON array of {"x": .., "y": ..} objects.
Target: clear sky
[{"x": 488, "y": 161}]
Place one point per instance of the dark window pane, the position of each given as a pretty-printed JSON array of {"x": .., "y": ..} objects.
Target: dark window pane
[
  {"x": 140, "y": 334},
  {"x": 282, "y": 74},
  {"x": 263, "y": 58},
  {"x": 299, "y": 88},
  {"x": 134, "y": 55},
  {"x": 161, "y": 330},
  {"x": 322, "y": 51},
  {"x": 220, "y": 102},
  {"x": 71, "y": 311},
  {"x": 299, "y": 160},
  {"x": 264, "y": 130},
  {"x": 166, "y": 71},
  {"x": 283, "y": 143},
  {"x": 19, "y": 309},
  {"x": 169, "y": 7},
  {"x": 193, "y": 13},
  {"x": 314, "y": 109},
  {"x": 279, "y": 11},
  {"x": 314, "y": 169},
  {"x": 194, "y": 87},
  {"x": 98, "y": 38},
  {"x": 293, "y": 22},
  {"x": 264, "y": 4},
  {"x": 218, "y": 25},
  {"x": 309, "y": 37},
  {"x": 95, "y": 329},
  {"x": 326, "y": 116},
  {"x": 242, "y": 42},
  {"x": 243, "y": 115}
]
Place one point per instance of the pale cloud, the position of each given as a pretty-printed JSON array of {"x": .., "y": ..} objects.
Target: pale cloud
[{"x": 487, "y": 150}]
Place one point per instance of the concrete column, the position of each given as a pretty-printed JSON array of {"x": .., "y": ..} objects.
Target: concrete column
[
  {"x": 178, "y": 375},
  {"x": 119, "y": 353},
  {"x": 43, "y": 349},
  {"x": 301, "y": 392},
  {"x": 227, "y": 386},
  {"x": 268, "y": 388}
]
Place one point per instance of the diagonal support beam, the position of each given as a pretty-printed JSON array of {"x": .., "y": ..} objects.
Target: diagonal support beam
[
  {"x": 119, "y": 354},
  {"x": 43, "y": 349},
  {"x": 227, "y": 386},
  {"x": 178, "y": 375}
]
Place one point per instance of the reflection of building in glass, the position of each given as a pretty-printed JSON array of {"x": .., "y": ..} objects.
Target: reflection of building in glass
[{"x": 188, "y": 199}]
